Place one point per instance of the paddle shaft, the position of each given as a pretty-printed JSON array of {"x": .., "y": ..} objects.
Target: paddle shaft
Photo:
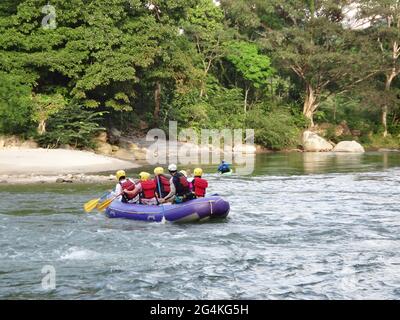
[{"x": 159, "y": 192}]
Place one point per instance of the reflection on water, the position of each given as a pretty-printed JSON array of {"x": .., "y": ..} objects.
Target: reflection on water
[
  {"x": 303, "y": 226},
  {"x": 323, "y": 162}
]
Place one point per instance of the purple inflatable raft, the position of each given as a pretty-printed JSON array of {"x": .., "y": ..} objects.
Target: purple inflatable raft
[{"x": 190, "y": 211}]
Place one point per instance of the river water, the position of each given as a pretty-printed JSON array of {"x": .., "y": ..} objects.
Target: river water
[{"x": 303, "y": 226}]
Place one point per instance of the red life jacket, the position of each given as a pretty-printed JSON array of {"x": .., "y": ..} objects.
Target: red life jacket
[
  {"x": 200, "y": 186},
  {"x": 128, "y": 185},
  {"x": 148, "y": 189},
  {"x": 164, "y": 185}
]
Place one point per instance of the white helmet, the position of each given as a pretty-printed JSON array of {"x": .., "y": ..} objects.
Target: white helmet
[{"x": 172, "y": 167}]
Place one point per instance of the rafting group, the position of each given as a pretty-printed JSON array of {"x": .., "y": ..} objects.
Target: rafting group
[
  {"x": 162, "y": 188},
  {"x": 175, "y": 187},
  {"x": 146, "y": 198}
]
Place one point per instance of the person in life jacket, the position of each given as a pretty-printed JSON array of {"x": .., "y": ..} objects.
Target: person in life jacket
[
  {"x": 126, "y": 184},
  {"x": 146, "y": 189},
  {"x": 190, "y": 180},
  {"x": 224, "y": 167},
  {"x": 162, "y": 182},
  {"x": 199, "y": 184},
  {"x": 180, "y": 190}
]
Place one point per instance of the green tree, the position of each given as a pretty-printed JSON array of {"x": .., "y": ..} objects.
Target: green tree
[
  {"x": 15, "y": 105},
  {"x": 205, "y": 28},
  {"x": 45, "y": 105},
  {"x": 72, "y": 125},
  {"x": 384, "y": 34},
  {"x": 254, "y": 68},
  {"x": 308, "y": 40}
]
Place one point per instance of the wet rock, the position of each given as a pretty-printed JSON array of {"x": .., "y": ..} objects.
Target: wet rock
[
  {"x": 314, "y": 143},
  {"x": 3, "y": 181},
  {"x": 81, "y": 177},
  {"x": 349, "y": 146},
  {"x": 59, "y": 180}
]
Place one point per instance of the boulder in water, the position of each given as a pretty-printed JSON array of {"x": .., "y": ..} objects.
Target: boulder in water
[
  {"x": 314, "y": 143},
  {"x": 349, "y": 146}
]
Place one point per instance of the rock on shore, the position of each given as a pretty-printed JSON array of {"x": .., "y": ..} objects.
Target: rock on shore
[
  {"x": 314, "y": 143},
  {"x": 349, "y": 146}
]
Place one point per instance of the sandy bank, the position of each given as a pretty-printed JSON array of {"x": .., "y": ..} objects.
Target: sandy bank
[{"x": 20, "y": 161}]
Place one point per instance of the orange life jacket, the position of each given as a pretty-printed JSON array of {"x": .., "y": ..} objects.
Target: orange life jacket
[
  {"x": 128, "y": 185},
  {"x": 200, "y": 186},
  {"x": 148, "y": 189}
]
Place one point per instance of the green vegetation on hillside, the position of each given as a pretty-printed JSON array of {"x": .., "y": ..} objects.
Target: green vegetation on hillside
[{"x": 276, "y": 66}]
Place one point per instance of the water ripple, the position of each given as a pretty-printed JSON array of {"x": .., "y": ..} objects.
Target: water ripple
[{"x": 314, "y": 236}]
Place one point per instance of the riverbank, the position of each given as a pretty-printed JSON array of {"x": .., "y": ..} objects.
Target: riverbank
[{"x": 24, "y": 165}]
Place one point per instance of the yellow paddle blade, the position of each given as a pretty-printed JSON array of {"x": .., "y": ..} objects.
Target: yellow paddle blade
[
  {"x": 90, "y": 205},
  {"x": 105, "y": 204}
]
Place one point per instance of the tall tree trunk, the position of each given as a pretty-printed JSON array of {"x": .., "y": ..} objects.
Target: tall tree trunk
[
  {"x": 246, "y": 95},
  {"x": 41, "y": 127},
  {"x": 388, "y": 84},
  {"x": 157, "y": 101},
  {"x": 384, "y": 120},
  {"x": 310, "y": 104},
  {"x": 202, "y": 89},
  {"x": 312, "y": 8}
]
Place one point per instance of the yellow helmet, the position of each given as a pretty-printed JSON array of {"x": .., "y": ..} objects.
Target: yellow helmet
[
  {"x": 144, "y": 176},
  {"x": 198, "y": 172},
  {"x": 184, "y": 173},
  {"x": 119, "y": 174},
  {"x": 158, "y": 170}
]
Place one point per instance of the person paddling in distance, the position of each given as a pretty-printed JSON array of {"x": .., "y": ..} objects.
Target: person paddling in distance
[
  {"x": 162, "y": 182},
  {"x": 224, "y": 167},
  {"x": 145, "y": 190},
  {"x": 127, "y": 184},
  {"x": 180, "y": 190},
  {"x": 199, "y": 184}
]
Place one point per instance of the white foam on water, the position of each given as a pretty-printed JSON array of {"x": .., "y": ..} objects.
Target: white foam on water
[{"x": 76, "y": 253}]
